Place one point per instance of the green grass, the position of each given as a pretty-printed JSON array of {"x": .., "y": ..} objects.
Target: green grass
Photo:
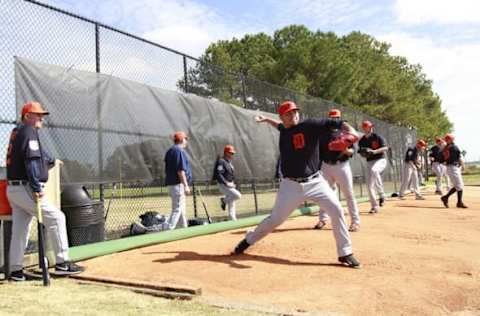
[{"x": 67, "y": 297}]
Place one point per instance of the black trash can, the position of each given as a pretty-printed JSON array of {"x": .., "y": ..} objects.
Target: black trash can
[{"x": 85, "y": 217}]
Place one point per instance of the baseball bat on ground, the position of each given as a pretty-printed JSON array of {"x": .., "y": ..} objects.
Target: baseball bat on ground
[
  {"x": 42, "y": 257},
  {"x": 204, "y": 205}
]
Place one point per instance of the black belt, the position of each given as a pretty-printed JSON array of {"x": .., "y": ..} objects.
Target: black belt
[
  {"x": 17, "y": 182},
  {"x": 334, "y": 162},
  {"x": 303, "y": 180}
]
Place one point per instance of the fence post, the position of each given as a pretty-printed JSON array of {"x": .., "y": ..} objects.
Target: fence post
[
  {"x": 185, "y": 74},
  {"x": 254, "y": 188},
  {"x": 99, "y": 112},
  {"x": 194, "y": 191},
  {"x": 244, "y": 91}
]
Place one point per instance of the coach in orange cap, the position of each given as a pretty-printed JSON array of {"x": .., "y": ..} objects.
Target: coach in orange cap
[
  {"x": 178, "y": 177},
  {"x": 27, "y": 172},
  {"x": 226, "y": 181}
]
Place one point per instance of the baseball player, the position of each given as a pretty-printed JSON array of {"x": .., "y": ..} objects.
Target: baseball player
[
  {"x": 438, "y": 166},
  {"x": 336, "y": 170},
  {"x": 27, "y": 173},
  {"x": 373, "y": 148},
  {"x": 178, "y": 176},
  {"x": 302, "y": 180},
  {"x": 455, "y": 165},
  {"x": 225, "y": 178},
  {"x": 410, "y": 166}
]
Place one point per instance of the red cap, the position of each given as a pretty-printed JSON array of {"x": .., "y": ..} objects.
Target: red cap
[
  {"x": 286, "y": 107},
  {"x": 421, "y": 143},
  {"x": 33, "y": 107},
  {"x": 229, "y": 149},
  {"x": 367, "y": 124},
  {"x": 334, "y": 113},
  {"x": 438, "y": 140},
  {"x": 449, "y": 137},
  {"x": 179, "y": 136}
]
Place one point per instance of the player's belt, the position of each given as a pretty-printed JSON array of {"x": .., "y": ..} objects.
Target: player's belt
[
  {"x": 303, "y": 180},
  {"x": 334, "y": 162}
]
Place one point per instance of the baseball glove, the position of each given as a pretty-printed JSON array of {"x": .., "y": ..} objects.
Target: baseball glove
[
  {"x": 342, "y": 142},
  {"x": 365, "y": 152}
]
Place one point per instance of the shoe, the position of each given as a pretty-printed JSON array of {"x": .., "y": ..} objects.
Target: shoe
[
  {"x": 222, "y": 203},
  {"x": 68, "y": 268},
  {"x": 354, "y": 228},
  {"x": 373, "y": 211},
  {"x": 320, "y": 225},
  {"x": 350, "y": 261},
  {"x": 461, "y": 205},
  {"x": 241, "y": 247},
  {"x": 438, "y": 192},
  {"x": 401, "y": 197},
  {"x": 17, "y": 276},
  {"x": 444, "y": 201},
  {"x": 419, "y": 197},
  {"x": 381, "y": 202}
]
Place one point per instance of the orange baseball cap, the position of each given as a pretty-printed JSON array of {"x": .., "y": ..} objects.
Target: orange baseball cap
[
  {"x": 286, "y": 107},
  {"x": 421, "y": 143},
  {"x": 179, "y": 136},
  {"x": 449, "y": 137},
  {"x": 367, "y": 124},
  {"x": 33, "y": 107},
  {"x": 334, "y": 113},
  {"x": 229, "y": 149}
]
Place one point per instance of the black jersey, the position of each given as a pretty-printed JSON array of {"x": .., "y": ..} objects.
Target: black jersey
[
  {"x": 451, "y": 154},
  {"x": 299, "y": 146},
  {"x": 411, "y": 154},
  {"x": 436, "y": 154},
  {"x": 373, "y": 141},
  {"x": 224, "y": 171}
]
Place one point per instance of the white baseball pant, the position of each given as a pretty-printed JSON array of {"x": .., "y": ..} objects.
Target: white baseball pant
[
  {"x": 231, "y": 195},
  {"x": 440, "y": 171},
  {"x": 409, "y": 174},
  {"x": 341, "y": 174},
  {"x": 374, "y": 180},
  {"x": 455, "y": 175},
  {"x": 24, "y": 208},
  {"x": 179, "y": 207},
  {"x": 290, "y": 195}
]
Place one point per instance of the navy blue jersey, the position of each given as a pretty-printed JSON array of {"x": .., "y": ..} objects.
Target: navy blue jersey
[
  {"x": 299, "y": 146},
  {"x": 411, "y": 154},
  {"x": 436, "y": 154},
  {"x": 451, "y": 154},
  {"x": 326, "y": 154},
  {"x": 373, "y": 141},
  {"x": 176, "y": 160},
  {"x": 25, "y": 159},
  {"x": 224, "y": 171}
]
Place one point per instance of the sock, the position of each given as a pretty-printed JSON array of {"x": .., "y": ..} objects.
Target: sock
[
  {"x": 452, "y": 190},
  {"x": 459, "y": 196}
]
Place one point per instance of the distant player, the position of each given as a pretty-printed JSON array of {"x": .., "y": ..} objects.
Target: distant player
[
  {"x": 302, "y": 180},
  {"x": 455, "y": 165},
  {"x": 438, "y": 165},
  {"x": 336, "y": 170},
  {"x": 225, "y": 178},
  {"x": 373, "y": 148},
  {"x": 410, "y": 167}
]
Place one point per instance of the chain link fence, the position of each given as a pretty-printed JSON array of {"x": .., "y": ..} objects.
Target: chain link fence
[{"x": 46, "y": 34}]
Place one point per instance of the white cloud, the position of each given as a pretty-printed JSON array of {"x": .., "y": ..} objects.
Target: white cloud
[
  {"x": 437, "y": 11},
  {"x": 454, "y": 70}
]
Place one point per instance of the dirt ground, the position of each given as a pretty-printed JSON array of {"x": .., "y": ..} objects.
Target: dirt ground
[{"x": 418, "y": 258}]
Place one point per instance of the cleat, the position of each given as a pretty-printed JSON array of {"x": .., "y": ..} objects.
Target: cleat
[
  {"x": 419, "y": 197},
  {"x": 320, "y": 225},
  {"x": 17, "y": 276},
  {"x": 381, "y": 202},
  {"x": 68, "y": 268},
  {"x": 354, "y": 228},
  {"x": 373, "y": 211},
  {"x": 444, "y": 201},
  {"x": 241, "y": 247},
  {"x": 350, "y": 261},
  {"x": 401, "y": 197},
  {"x": 438, "y": 192},
  {"x": 222, "y": 203},
  {"x": 461, "y": 205}
]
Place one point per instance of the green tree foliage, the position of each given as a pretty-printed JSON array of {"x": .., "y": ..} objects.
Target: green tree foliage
[{"x": 354, "y": 70}]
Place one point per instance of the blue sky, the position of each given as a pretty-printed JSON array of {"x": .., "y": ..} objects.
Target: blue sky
[{"x": 441, "y": 35}]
